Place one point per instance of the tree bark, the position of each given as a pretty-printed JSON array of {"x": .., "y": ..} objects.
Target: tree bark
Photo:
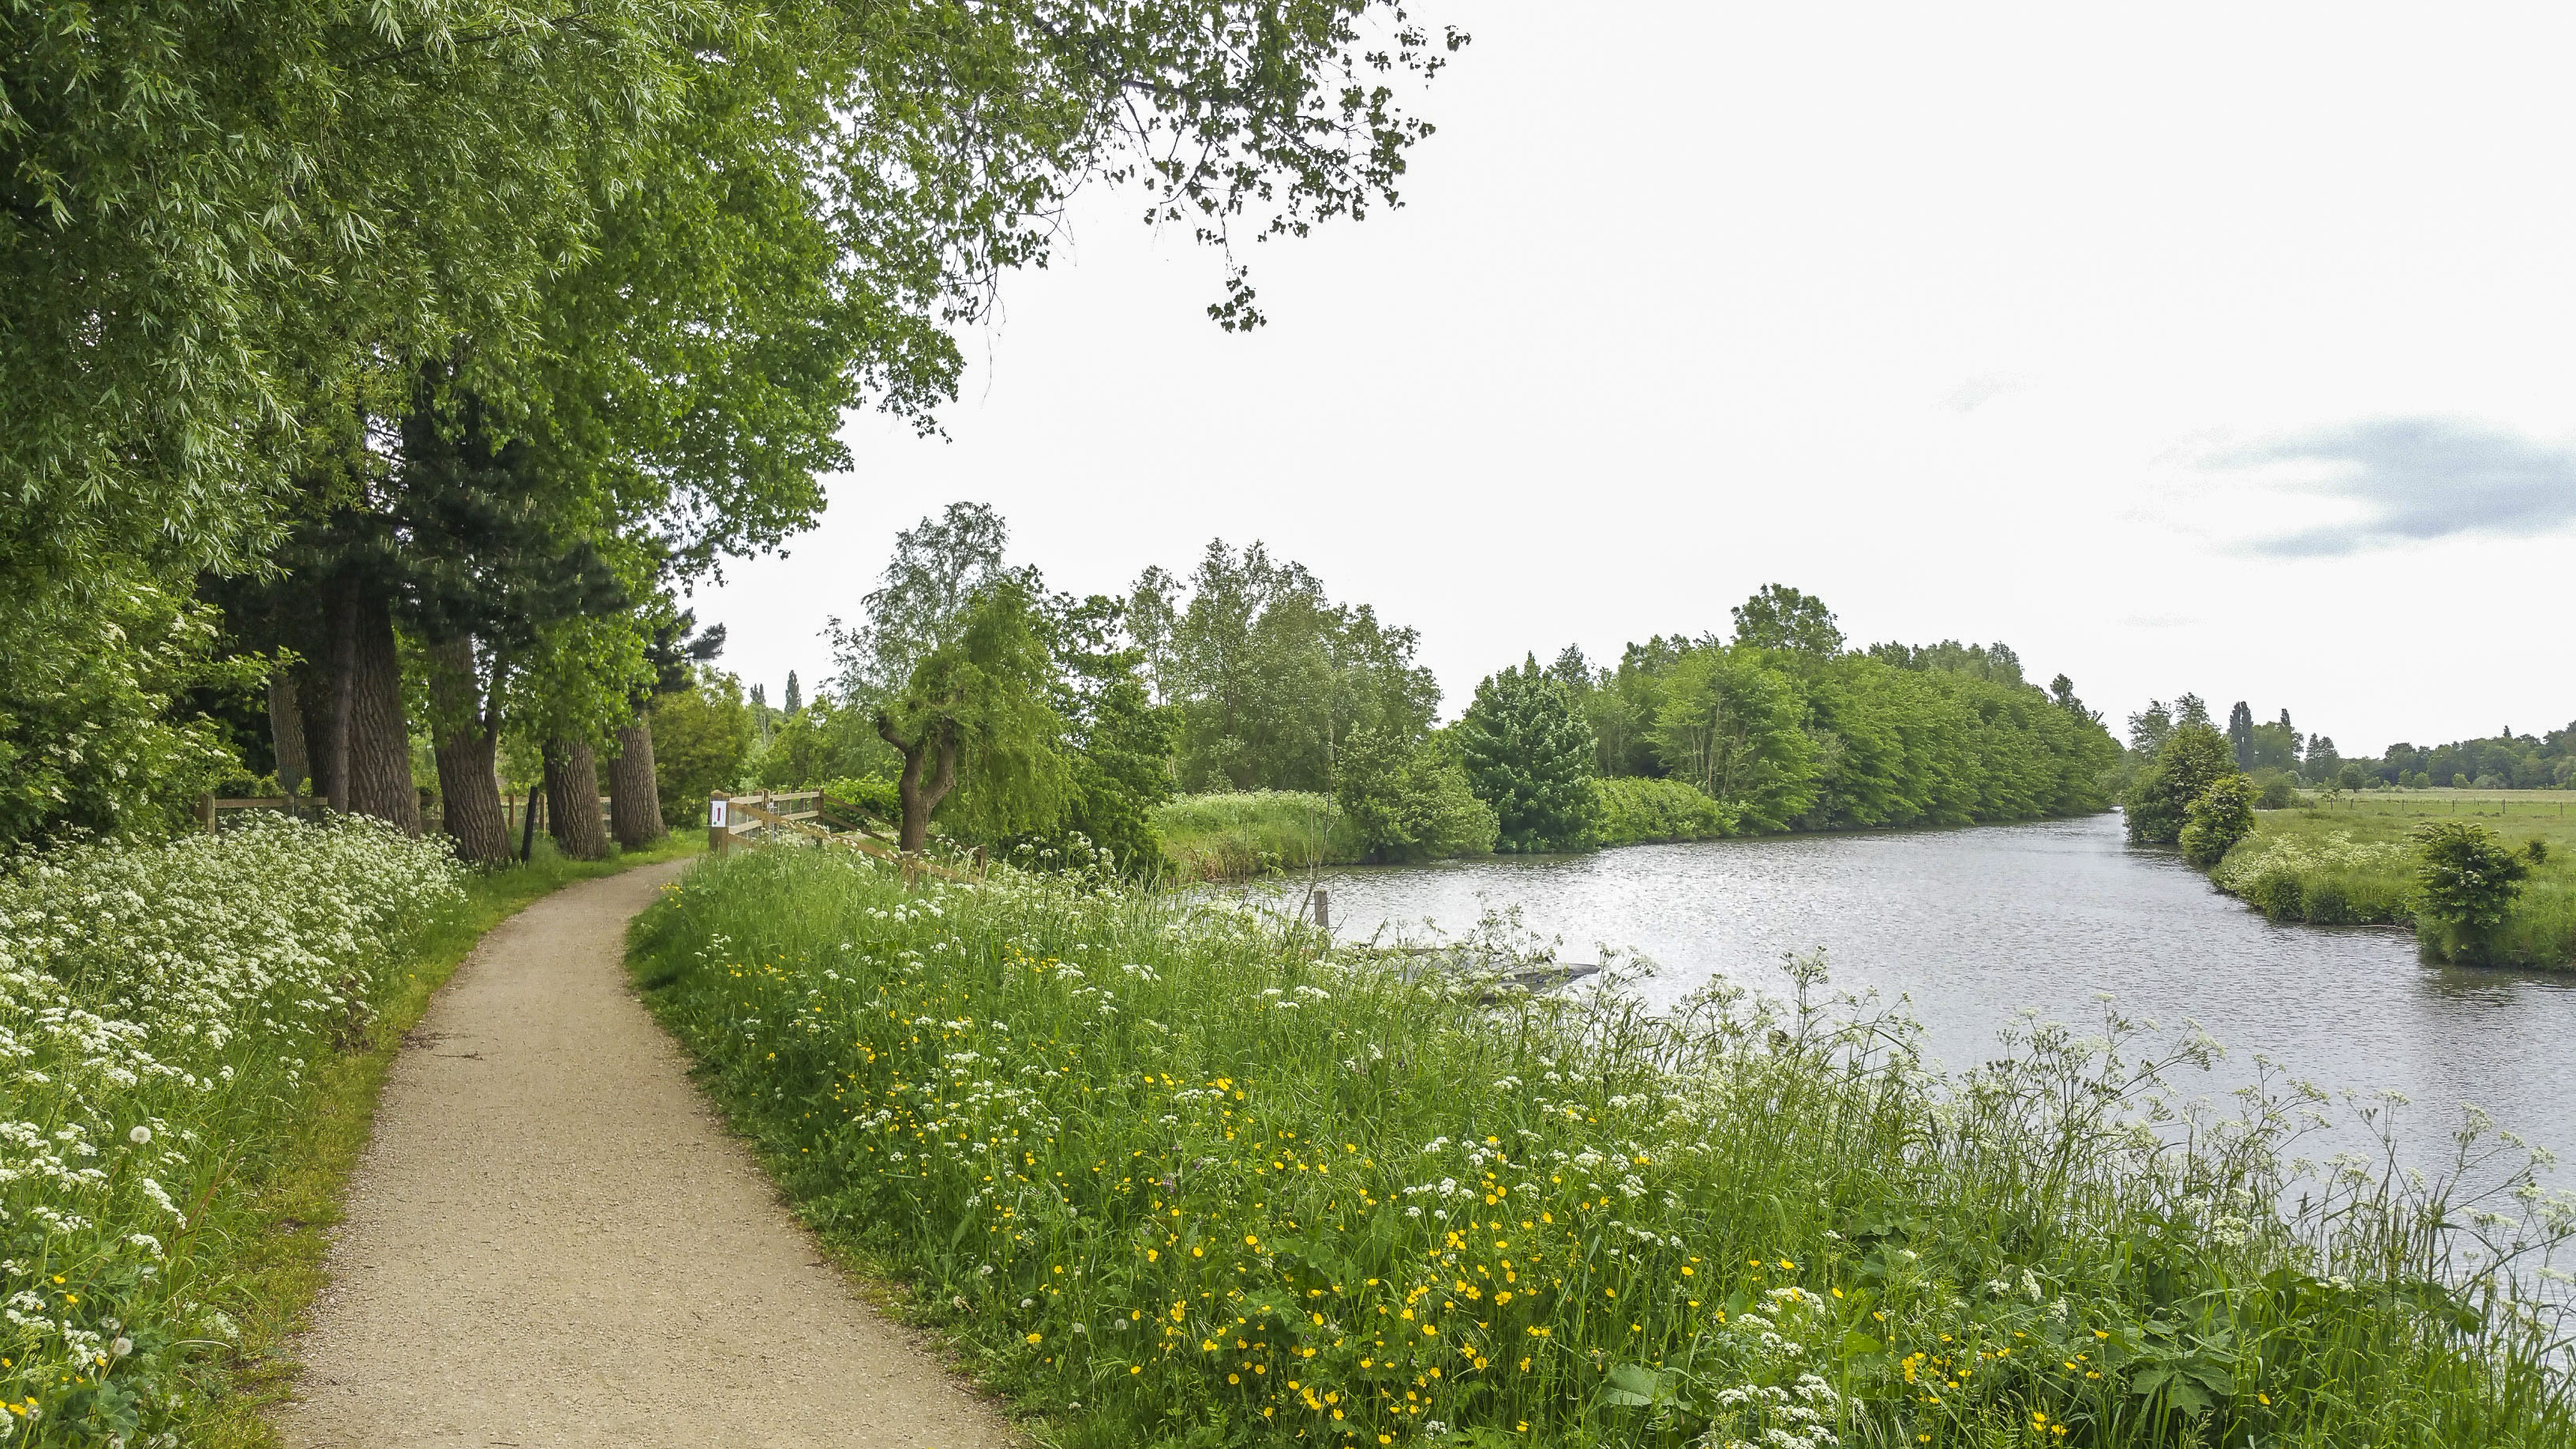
[
  {"x": 634, "y": 796},
  {"x": 572, "y": 800},
  {"x": 379, "y": 740},
  {"x": 467, "y": 738},
  {"x": 344, "y": 679},
  {"x": 919, "y": 799},
  {"x": 286, "y": 734}
]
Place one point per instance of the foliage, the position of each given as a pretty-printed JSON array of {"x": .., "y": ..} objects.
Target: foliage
[
  {"x": 2190, "y": 759},
  {"x": 89, "y": 741},
  {"x": 1780, "y": 617},
  {"x": 2216, "y": 819},
  {"x": 1636, "y": 810},
  {"x": 701, "y": 737},
  {"x": 164, "y": 1009},
  {"x": 2328, "y": 880},
  {"x": 976, "y": 718},
  {"x": 1177, "y": 1164},
  {"x": 1268, "y": 676},
  {"x": 1729, "y": 726},
  {"x": 1231, "y": 835},
  {"x": 825, "y": 740},
  {"x": 940, "y": 565},
  {"x": 2465, "y": 884},
  {"x": 1528, "y": 754},
  {"x": 1409, "y": 799}
]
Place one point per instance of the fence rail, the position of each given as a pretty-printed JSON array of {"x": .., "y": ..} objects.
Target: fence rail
[{"x": 732, "y": 818}]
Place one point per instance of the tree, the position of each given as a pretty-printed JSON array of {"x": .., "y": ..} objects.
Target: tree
[
  {"x": 795, "y": 698},
  {"x": 2216, "y": 819},
  {"x": 1780, "y": 617},
  {"x": 975, "y": 714},
  {"x": 1409, "y": 799},
  {"x": 1268, "y": 675},
  {"x": 940, "y": 566},
  {"x": 2240, "y": 734},
  {"x": 2466, "y": 881},
  {"x": 701, "y": 737},
  {"x": 1527, "y": 751},
  {"x": 2193, "y": 758},
  {"x": 1730, "y": 725}
]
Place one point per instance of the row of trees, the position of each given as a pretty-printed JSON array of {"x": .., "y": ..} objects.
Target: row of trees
[
  {"x": 1787, "y": 730},
  {"x": 1248, "y": 676},
  {"x": 401, "y": 368},
  {"x": 2276, "y": 751}
]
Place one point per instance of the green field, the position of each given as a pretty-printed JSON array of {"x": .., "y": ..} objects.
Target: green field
[
  {"x": 2349, "y": 862},
  {"x": 1170, "y": 1174},
  {"x": 1253, "y": 832}
]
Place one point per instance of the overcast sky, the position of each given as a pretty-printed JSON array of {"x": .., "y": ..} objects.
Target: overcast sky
[{"x": 2198, "y": 348}]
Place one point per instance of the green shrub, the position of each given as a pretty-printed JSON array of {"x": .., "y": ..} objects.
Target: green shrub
[
  {"x": 1410, "y": 800},
  {"x": 2217, "y": 818},
  {"x": 2465, "y": 884},
  {"x": 2158, "y": 804},
  {"x": 1635, "y": 810}
]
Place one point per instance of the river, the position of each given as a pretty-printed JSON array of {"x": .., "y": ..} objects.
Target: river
[{"x": 1975, "y": 925}]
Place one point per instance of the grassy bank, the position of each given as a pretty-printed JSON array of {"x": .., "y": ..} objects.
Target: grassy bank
[
  {"x": 2353, "y": 865},
  {"x": 1253, "y": 832},
  {"x": 196, "y": 1036},
  {"x": 1171, "y": 1179}
]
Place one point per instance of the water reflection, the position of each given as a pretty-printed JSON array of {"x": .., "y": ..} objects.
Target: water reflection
[{"x": 1976, "y": 925}]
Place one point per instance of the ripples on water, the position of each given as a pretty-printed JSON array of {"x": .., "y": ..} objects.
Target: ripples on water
[{"x": 1974, "y": 925}]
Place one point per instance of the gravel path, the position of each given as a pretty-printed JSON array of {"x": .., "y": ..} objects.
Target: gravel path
[{"x": 552, "y": 1242}]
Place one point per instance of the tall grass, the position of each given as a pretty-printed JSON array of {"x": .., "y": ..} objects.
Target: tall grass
[
  {"x": 1178, "y": 1175},
  {"x": 1253, "y": 832},
  {"x": 2347, "y": 868}
]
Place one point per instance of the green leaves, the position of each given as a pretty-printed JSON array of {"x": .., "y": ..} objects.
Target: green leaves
[{"x": 1528, "y": 753}]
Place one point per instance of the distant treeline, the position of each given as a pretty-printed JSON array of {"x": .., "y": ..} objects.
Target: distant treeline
[
  {"x": 2277, "y": 750},
  {"x": 1247, "y": 677}
]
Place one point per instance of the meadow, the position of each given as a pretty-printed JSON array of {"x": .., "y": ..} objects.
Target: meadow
[
  {"x": 2349, "y": 862},
  {"x": 191, "y": 1040},
  {"x": 1169, "y": 1172}
]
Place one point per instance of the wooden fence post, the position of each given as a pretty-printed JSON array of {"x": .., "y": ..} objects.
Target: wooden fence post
[{"x": 206, "y": 812}]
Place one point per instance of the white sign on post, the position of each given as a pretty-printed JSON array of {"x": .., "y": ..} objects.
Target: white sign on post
[{"x": 716, "y": 813}]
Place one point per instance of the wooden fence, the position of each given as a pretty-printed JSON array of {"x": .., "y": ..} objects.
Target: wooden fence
[{"x": 812, "y": 816}]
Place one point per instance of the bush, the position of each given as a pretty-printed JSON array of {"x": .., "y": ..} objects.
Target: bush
[
  {"x": 1411, "y": 801},
  {"x": 2218, "y": 817},
  {"x": 2277, "y": 791},
  {"x": 2158, "y": 804},
  {"x": 1635, "y": 810},
  {"x": 161, "y": 1008},
  {"x": 2465, "y": 885}
]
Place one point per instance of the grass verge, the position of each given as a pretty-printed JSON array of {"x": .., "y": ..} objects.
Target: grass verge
[
  {"x": 2356, "y": 867},
  {"x": 276, "y": 1267},
  {"x": 1171, "y": 1177},
  {"x": 1235, "y": 835}
]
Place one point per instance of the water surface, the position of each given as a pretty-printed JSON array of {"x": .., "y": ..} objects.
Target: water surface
[{"x": 1975, "y": 925}]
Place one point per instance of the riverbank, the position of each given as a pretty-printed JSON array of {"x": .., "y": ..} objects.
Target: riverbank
[
  {"x": 2354, "y": 864},
  {"x": 1161, "y": 1169},
  {"x": 1248, "y": 834}
]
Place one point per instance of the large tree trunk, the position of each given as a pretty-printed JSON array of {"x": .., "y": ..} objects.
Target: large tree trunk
[
  {"x": 634, "y": 796},
  {"x": 572, "y": 800},
  {"x": 379, "y": 741},
  {"x": 286, "y": 733},
  {"x": 342, "y": 671},
  {"x": 467, "y": 738},
  {"x": 920, "y": 796}
]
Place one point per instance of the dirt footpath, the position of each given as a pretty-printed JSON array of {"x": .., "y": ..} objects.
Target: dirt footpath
[{"x": 551, "y": 1242}]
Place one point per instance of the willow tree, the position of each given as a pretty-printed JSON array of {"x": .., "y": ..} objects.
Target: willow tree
[{"x": 975, "y": 717}]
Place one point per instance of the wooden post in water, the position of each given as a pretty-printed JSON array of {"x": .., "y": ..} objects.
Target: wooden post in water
[{"x": 1320, "y": 907}]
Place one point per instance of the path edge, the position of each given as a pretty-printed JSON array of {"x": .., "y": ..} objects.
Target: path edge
[{"x": 272, "y": 1285}]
